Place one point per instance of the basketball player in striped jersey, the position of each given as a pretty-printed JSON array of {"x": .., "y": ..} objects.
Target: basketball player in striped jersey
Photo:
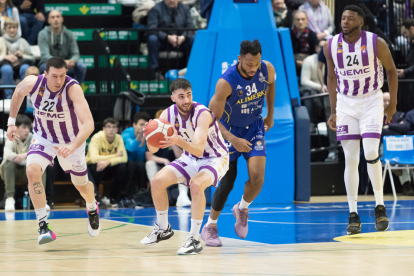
[
  {"x": 204, "y": 162},
  {"x": 355, "y": 77},
  {"x": 62, "y": 123}
]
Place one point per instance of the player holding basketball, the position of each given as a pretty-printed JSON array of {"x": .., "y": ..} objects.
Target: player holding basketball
[
  {"x": 62, "y": 123},
  {"x": 355, "y": 77},
  {"x": 240, "y": 94},
  {"x": 204, "y": 162}
]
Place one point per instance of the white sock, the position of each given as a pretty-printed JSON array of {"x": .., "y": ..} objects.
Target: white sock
[
  {"x": 162, "y": 217},
  {"x": 91, "y": 207},
  {"x": 405, "y": 176},
  {"x": 195, "y": 227},
  {"x": 379, "y": 198},
  {"x": 41, "y": 214},
  {"x": 211, "y": 221},
  {"x": 244, "y": 204},
  {"x": 183, "y": 190},
  {"x": 352, "y": 202}
]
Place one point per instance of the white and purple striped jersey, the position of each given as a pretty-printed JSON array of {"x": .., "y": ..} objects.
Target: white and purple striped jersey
[
  {"x": 215, "y": 146},
  {"x": 54, "y": 115},
  {"x": 357, "y": 66}
]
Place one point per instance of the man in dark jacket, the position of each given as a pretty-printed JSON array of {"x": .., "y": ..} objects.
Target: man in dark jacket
[
  {"x": 32, "y": 18},
  {"x": 408, "y": 32},
  {"x": 57, "y": 40},
  {"x": 169, "y": 14}
]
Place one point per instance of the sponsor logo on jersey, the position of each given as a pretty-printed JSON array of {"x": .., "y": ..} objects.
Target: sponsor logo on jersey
[
  {"x": 339, "y": 48},
  {"x": 261, "y": 77},
  {"x": 341, "y": 130},
  {"x": 240, "y": 93},
  {"x": 364, "y": 49},
  {"x": 252, "y": 97},
  {"x": 259, "y": 145},
  {"x": 49, "y": 115},
  {"x": 239, "y": 87},
  {"x": 354, "y": 72},
  {"x": 36, "y": 147}
]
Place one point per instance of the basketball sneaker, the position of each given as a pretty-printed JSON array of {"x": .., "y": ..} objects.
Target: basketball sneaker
[
  {"x": 158, "y": 235},
  {"x": 381, "y": 220},
  {"x": 94, "y": 222},
  {"x": 209, "y": 235},
  {"x": 241, "y": 216},
  {"x": 192, "y": 246},
  {"x": 354, "y": 226},
  {"x": 45, "y": 233}
]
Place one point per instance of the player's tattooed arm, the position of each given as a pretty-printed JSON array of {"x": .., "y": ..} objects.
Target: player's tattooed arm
[{"x": 38, "y": 187}]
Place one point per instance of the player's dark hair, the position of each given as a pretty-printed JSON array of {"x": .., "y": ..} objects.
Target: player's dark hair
[
  {"x": 250, "y": 47},
  {"x": 110, "y": 120},
  {"x": 140, "y": 115},
  {"x": 23, "y": 120},
  {"x": 356, "y": 9},
  {"x": 408, "y": 23},
  {"x": 180, "y": 83},
  {"x": 55, "y": 62}
]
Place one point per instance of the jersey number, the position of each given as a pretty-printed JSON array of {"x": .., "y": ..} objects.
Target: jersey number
[
  {"x": 45, "y": 108},
  {"x": 251, "y": 90},
  {"x": 350, "y": 63}
]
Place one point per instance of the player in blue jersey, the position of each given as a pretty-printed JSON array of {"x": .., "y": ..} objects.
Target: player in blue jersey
[{"x": 238, "y": 101}]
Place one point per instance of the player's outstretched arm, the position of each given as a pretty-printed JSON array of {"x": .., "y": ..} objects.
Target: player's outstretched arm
[
  {"x": 270, "y": 96},
  {"x": 216, "y": 105},
  {"x": 332, "y": 85},
  {"x": 384, "y": 55},
  {"x": 22, "y": 90},
  {"x": 85, "y": 117}
]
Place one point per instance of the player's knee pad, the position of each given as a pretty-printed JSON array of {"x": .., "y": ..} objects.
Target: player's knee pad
[
  {"x": 225, "y": 187},
  {"x": 79, "y": 180},
  {"x": 373, "y": 161}
]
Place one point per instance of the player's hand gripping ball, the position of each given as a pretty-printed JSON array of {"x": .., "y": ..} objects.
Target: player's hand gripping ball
[{"x": 156, "y": 131}]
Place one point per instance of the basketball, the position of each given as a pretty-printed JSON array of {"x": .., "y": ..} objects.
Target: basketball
[{"x": 156, "y": 130}]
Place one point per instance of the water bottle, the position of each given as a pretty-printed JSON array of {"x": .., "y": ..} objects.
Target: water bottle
[{"x": 26, "y": 201}]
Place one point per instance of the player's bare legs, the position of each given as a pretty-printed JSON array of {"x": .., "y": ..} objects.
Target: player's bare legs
[
  {"x": 87, "y": 191},
  {"x": 198, "y": 184},
  {"x": 38, "y": 197}
]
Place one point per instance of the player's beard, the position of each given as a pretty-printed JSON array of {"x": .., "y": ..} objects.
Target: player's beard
[
  {"x": 182, "y": 110},
  {"x": 245, "y": 72},
  {"x": 351, "y": 30}
]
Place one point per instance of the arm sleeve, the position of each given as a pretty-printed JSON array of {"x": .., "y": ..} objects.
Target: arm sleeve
[
  {"x": 305, "y": 76},
  {"x": 123, "y": 158},
  {"x": 26, "y": 52},
  {"x": 409, "y": 70},
  {"x": 153, "y": 23},
  {"x": 188, "y": 22},
  {"x": 8, "y": 154},
  {"x": 131, "y": 144},
  {"x": 331, "y": 25},
  {"x": 40, "y": 6},
  {"x": 43, "y": 43},
  {"x": 93, "y": 150},
  {"x": 74, "y": 49},
  {"x": 400, "y": 128}
]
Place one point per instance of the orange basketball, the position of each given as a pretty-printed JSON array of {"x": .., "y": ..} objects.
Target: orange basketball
[{"x": 156, "y": 130}]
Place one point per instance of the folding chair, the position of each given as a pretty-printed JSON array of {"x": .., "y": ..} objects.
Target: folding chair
[{"x": 398, "y": 155}]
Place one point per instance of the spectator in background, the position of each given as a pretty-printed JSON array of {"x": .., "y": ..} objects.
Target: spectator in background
[
  {"x": 32, "y": 18},
  {"x": 402, "y": 124},
  {"x": 13, "y": 166},
  {"x": 15, "y": 55},
  {"x": 304, "y": 40},
  {"x": 135, "y": 145},
  {"x": 169, "y": 14},
  {"x": 8, "y": 10},
  {"x": 294, "y": 4},
  {"x": 57, "y": 40},
  {"x": 320, "y": 18},
  {"x": 156, "y": 161},
  {"x": 107, "y": 157},
  {"x": 408, "y": 32},
  {"x": 206, "y": 7},
  {"x": 282, "y": 14}
]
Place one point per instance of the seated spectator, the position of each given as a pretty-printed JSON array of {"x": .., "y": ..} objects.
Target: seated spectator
[
  {"x": 294, "y": 4},
  {"x": 15, "y": 55},
  {"x": 156, "y": 161},
  {"x": 32, "y": 70},
  {"x": 401, "y": 124},
  {"x": 13, "y": 166},
  {"x": 304, "y": 40},
  {"x": 135, "y": 146},
  {"x": 32, "y": 18},
  {"x": 57, "y": 40},
  {"x": 169, "y": 14},
  {"x": 320, "y": 18},
  {"x": 8, "y": 10},
  {"x": 107, "y": 157},
  {"x": 408, "y": 32},
  {"x": 282, "y": 14}
]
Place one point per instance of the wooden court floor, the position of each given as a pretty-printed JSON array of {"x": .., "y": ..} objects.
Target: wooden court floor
[{"x": 117, "y": 251}]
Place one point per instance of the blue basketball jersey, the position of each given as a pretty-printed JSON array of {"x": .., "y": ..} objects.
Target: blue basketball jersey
[{"x": 245, "y": 103}]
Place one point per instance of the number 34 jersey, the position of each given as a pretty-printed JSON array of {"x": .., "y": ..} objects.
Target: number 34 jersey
[
  {"x": 245, "y": 103},
  {"x": 357, "y": 66},
  {"x": 54, "y": 115}
]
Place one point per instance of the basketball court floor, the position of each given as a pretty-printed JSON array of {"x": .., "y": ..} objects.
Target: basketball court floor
[{"x": 288, "y": 239}]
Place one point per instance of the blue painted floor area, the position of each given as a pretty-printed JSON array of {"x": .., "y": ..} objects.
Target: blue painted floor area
[{"x": 278, "y": 224}]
